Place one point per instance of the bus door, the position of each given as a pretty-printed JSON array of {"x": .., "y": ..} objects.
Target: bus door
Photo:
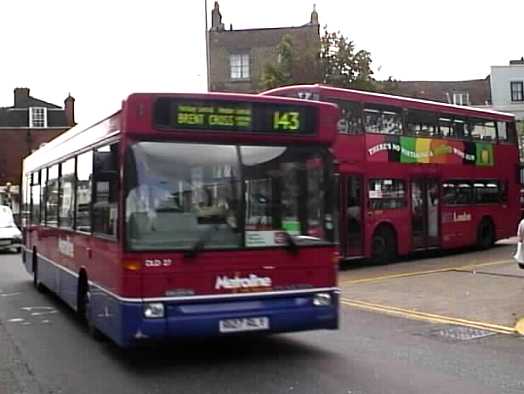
[
  {"x": 353, "y": 247},
  {"x": 424, "y": 213}
]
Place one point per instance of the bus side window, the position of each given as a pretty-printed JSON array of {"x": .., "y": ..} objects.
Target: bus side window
[
  {"x": 512, "y": 132},
  {"x": 502, "y": 135},
  {"x": 383, "y": 120},
  {"x": 84, "y": 173},
  {"x": 105, "y": 196},
  {"x": 351, "y": 117},
  {"x": 35, "y": 197},
  {"x": 421, "y": 123}
]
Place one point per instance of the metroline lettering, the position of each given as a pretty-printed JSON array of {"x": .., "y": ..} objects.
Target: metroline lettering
[{"x": 224, "y": 282}]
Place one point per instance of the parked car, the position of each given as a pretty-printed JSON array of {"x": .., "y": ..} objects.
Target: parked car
[{"x": 10, "y": 234}]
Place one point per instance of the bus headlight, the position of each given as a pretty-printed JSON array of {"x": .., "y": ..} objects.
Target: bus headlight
[
  {"x": 154, "y": 310},
  {"x": 322, "y": 299}
]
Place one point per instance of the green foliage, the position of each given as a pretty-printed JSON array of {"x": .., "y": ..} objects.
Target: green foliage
[
  {"x": 342, "y": 65},
  {"x": 281, "y": 73}
]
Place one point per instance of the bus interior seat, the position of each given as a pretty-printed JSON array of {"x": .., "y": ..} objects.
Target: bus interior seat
[
  {"x": 175, "y": 221},
  {"x": 139, "y": 224}
]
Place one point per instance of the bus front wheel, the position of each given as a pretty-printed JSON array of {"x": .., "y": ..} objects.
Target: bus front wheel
[
  {"x": 83, "y": 307},
  {"x": 383, "y": 248}
]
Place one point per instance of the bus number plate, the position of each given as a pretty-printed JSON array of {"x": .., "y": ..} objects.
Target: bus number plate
[{"x": 244, "y": 324}]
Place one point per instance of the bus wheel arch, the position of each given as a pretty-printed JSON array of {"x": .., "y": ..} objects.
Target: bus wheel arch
[
  {"x": 83, "y": 309},
  {"x": 486, "y": 233},
  {"x": 384, "y": 244},
  {"x": 36, "y": 281}
]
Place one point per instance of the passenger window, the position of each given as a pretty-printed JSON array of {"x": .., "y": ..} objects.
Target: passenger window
[
  {"x": 35, "y": 197},
  {"x": 351, "y": 117},
  {"x": 382, "y": 120},
  {"x": 386, "y": 194},
  {"x": 502, "y": 135},
  {"x": 483, "y": 130},
  {"x": 459, "y": 128},
  {"x": 52, "y": 196},
  {"x": 446, "y": 127},
  {"x": 84, "y": 172},
  {"x": 43, "y": 190},
  {"x": 105, "y": 196},
  {"x": 457, "y": 193},
  {"x": 422, "y": 123},
  {"x": 67, "y": 189},
  {"x": 486, "y": 192}
]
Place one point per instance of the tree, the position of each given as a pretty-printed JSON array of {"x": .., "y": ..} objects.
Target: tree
[
  {"x": 342, "y": 65},
  {"x": 281, "y": 73}
]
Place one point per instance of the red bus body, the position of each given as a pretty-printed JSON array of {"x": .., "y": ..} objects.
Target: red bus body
[
  {"x": 203, "y": 291},
  {"x": 418, "y": 172}
]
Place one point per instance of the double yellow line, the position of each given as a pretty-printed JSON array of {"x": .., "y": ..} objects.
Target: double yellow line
[
  {"x": 467, "y": 267},
  {"x": 429, "y": 317}
]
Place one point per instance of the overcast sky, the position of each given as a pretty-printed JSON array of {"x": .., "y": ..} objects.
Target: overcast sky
[{"x": 101, "y": 50}]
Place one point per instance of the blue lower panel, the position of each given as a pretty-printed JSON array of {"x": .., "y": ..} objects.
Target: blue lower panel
[{"x": 285, "y": 314}]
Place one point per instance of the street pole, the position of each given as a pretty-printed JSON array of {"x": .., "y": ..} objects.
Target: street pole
[{"x": 207, "y": 47}]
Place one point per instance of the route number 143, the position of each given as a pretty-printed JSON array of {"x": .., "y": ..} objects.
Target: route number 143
[{"x": 289, "y": 121}]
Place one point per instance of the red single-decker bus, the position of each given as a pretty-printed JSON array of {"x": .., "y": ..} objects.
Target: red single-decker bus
[{"x": 189, "y": 215}]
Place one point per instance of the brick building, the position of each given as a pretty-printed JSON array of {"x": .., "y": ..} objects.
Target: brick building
[
  {"x": 473, "y": 92},
  {"x": 24, "y": 126},
  {"x": 237, "y": 57}
]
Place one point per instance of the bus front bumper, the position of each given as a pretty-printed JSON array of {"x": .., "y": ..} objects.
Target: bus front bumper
[{"x": 225, "y": 317}]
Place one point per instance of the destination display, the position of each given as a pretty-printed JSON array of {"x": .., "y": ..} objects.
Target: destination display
[{"x": 218, "y": 115}]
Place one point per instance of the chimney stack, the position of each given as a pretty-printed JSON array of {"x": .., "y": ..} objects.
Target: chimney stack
[
  {"x": 21, "y": 96},
  {"x": 69, "y": 109}
]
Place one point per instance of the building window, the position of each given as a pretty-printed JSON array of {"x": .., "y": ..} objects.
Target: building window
[
  {"x": 37, "y": 117},
  {"x": 461, "y": 98},
  {"x": 239, "y": 66},
  {"x": 517, "y": 91}
]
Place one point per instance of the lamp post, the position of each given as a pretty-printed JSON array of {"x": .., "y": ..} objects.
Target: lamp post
[{"x": 207, "y": 46}]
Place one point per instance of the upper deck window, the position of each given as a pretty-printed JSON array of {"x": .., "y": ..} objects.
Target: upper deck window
[
  {"x": 239, "y": 64},
  {"x": 483, "y": 130},
  {"x": 351, "y": 117},
  {"x": 422, "y": 123},
  {"x": 383, "y": 120}
]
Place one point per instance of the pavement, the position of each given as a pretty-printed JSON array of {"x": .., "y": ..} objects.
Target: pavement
[{"x": 483, "y": 289}]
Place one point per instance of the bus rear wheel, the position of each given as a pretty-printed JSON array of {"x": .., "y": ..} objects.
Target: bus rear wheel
[
  {"x": 486, "y": 234},
  {"x": 383, "y": 247}
]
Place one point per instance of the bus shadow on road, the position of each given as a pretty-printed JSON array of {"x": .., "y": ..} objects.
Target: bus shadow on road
[
  {"x": 419, "y": 255},
  {"x": 233, "y": 350},
  {"x": 240, "y": 351}
]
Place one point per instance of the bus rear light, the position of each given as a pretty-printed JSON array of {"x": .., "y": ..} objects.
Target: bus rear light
[
  {"x": 154, "y": 310},
  {"x": 132, "y": 265}
]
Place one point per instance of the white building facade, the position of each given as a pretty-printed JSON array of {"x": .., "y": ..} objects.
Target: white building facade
[{"x": 507, "y": 93}]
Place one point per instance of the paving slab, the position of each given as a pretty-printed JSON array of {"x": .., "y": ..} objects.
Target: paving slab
[{"x": 493, "y": 297}]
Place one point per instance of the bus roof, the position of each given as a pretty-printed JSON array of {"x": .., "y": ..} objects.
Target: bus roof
[
  {"x": 400, "y": 101},
  {"x": 80, "y": 138}
]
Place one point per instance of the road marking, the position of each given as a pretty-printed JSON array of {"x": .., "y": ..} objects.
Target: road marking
[
  {"x": 430, "y": 317},
  {"x": 417, "y": 273}
]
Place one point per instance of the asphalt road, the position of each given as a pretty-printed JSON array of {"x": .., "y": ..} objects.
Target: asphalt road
[{"x": 43, "y": 349}]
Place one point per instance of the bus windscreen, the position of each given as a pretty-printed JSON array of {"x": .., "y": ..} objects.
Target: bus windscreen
[{"x": 234, "y": 116}]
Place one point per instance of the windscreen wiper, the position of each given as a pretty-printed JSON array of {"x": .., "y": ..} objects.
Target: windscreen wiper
[
  {"x": 291, "y": 243},
  {"x": 198, "y": 246}
]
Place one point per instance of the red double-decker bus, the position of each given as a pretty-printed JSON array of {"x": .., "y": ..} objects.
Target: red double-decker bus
[
  {"x": 189, "y": 215},
  {"x": 418, "y": 175}
]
